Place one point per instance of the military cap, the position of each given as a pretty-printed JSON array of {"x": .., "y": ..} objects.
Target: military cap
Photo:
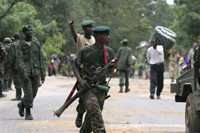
[
  {"x": 25, "y": 28},
  {"x": 101, "y": 29},
  {"x": 87, "y": 23},
  {"x": 7, "y": 40},
  {"x": 124, "y": 40}
]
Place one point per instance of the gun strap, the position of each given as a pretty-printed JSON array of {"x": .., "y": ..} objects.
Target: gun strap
[{"x": 105, "y": 56}]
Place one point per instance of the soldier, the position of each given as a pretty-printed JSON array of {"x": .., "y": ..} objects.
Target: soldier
[
  {"x": 172, "y": 66},
  {"x": 124, "y": 56},
  {"x": 155, "y": 57},
  {"x": 7, "y": 78},
  {"x": 191, "y": 55},
  {"x": 13, "y": 64},
  {"x": 31, "y": 67},
  {"x": 2, "y": 60},
  {"x": 81, "y": 41},
  {"x": 87, "y": 38},
  {"x": 89, "y": 58}
]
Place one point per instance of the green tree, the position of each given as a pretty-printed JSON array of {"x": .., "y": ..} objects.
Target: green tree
[
  {"x": 53, "y": 45},
  {"x": 187, "y": 23}
]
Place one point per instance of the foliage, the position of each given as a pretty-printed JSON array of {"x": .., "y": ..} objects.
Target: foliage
[
  {"x": 134, "y": 20},
  {"x": 187, "y": 23},
  {"x": 54, "y": 45}
]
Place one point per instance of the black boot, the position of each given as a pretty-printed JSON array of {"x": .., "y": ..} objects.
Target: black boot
[
  {"x": 127, "y": 89},
  {"x": 28, "y": 114},
  {"x": 79, "y": 120},
  {"x": 121, "y": 89},
  {"x": 18, "y": 95},
  {"x": 21, "y": 109},
  {"x": 1, "y": 93},
  {"x": 9, "y": 84}
]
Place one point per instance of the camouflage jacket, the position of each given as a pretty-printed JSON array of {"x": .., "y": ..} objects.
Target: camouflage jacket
[
  {"x": 2, "y": 57},
  {"x": 29, "y": 59},
  {"x": 89, "y": 57},
  {"x": 12, "y": 55}
]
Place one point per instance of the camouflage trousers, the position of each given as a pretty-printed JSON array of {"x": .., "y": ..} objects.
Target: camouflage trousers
[
  {"x": 80, "y": 108},
  {"x": 123, "y": 74},
  {"x": 1, "y": 82},
  {"x": 16, "y": 79},
  {"x": 93, "y": 101},
  {"x": 30, "y": 88}
]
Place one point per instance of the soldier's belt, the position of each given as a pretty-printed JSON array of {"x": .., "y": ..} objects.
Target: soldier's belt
[{"x": 102, "y": 87}]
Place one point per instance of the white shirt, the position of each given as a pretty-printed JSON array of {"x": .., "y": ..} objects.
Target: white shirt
[{"x": 155, "y": 56}]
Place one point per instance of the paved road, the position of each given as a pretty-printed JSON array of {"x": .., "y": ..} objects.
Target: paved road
[{"x": 123, "y": 113}]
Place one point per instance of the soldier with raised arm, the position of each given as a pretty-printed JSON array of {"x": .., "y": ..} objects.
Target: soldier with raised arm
[
  {"x": 86, "y": 38},
  {"x": 81, "y": 41}
]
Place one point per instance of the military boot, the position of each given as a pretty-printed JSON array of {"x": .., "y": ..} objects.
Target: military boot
[
  {"x": 21, "y": 109},
  {"x": 79, "y": 120},
  {"x": 5, "y": 88},
  {"x": 127, "y": 89},
  {"x": 121, "y": 89},
  {"x": 28, "y": 114},
  {"x": 2, "y": 95}
]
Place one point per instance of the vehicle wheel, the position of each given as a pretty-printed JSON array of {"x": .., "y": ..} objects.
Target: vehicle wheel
[{"x": 192, "y": 117}]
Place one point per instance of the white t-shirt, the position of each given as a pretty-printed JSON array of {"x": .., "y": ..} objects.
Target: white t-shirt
[
  {"x": 155, "y": 56},
  {"x": 81, "y": 41}
]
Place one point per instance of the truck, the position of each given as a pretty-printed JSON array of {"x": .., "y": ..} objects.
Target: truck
[{"x": 187, "y": 89}]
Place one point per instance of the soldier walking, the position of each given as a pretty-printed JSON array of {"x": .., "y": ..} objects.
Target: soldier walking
[
  {"x": 124, "y": 56},
  {"x": 7, "y": 77},
  {"x": 31, "y": 67},
  {"x": 13, "y": 64},
  {"x": 81, "y": 41},
  {"x": 89, "y": 58},
  {"x": 2, "y": 60}
]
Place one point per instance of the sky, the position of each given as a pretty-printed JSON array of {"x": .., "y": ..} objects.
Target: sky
[{"x": 170, "y": 2}]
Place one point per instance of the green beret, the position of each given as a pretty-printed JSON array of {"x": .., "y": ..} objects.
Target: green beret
[
  {"x": 87, "y": 23},
  {"x": 101, "y": 29},
  {"x": 25, "y": 28}
]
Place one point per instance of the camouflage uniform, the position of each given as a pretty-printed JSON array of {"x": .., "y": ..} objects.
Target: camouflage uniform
[
  {"x": 2, "y": 59},
  {"x": 31, "y": 66},
  {"x": 93, "y": 99},
  {"x": 13, "y": 64},
  {"x": 7, "y": 70}
]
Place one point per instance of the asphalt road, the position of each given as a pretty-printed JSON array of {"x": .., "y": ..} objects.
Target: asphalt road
[{"x": 130, "y": 112}]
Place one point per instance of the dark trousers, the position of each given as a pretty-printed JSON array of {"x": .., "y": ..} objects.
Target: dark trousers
[
  {"x": 156, "y": 78},
  {"x": 30, "y": 88},
  {"x": 17, "y": 83},
  {"x": 123, "y": 74}
]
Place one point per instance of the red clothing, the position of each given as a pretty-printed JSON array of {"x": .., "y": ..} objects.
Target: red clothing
[{"x": 51, "y": 69}]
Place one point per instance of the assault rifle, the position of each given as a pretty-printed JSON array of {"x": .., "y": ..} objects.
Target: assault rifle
[{"x": 92, "y": 83}]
